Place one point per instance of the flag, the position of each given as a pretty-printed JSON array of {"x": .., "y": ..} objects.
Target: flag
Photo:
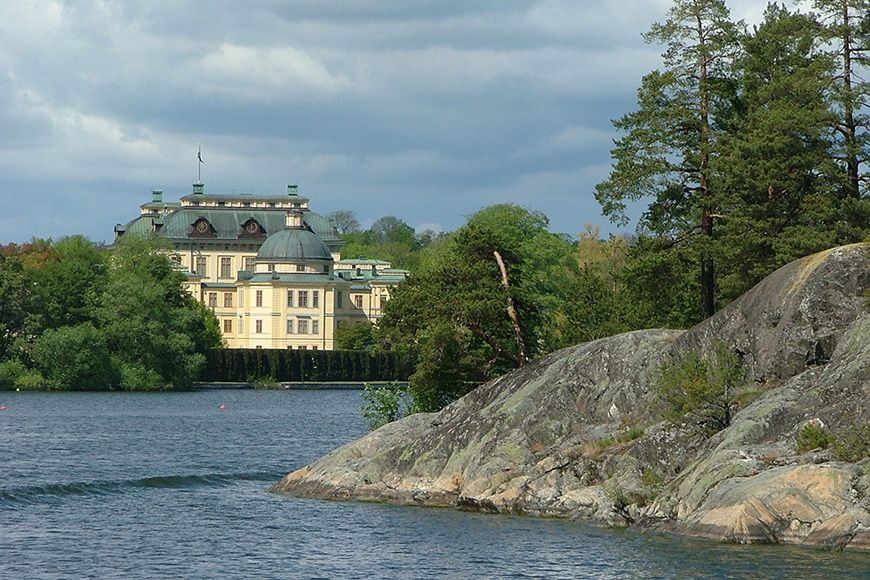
[{"x": 199, "y": 155}]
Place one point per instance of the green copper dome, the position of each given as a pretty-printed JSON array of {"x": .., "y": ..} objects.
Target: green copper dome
[{"x": 293, "y": 245}]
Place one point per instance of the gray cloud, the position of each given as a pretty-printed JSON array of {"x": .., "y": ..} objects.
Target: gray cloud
[{"x": 428, "y": 110}]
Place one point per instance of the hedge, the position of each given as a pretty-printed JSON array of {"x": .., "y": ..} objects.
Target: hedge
[{"x": 244, "y": 364}]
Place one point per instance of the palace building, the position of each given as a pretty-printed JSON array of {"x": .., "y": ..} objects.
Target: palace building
[{"x": 268, "y": 266}]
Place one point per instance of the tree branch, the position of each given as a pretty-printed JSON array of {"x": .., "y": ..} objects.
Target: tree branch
[{"x": 512, "y": 312}]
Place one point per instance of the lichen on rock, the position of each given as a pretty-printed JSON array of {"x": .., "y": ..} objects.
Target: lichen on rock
[{"x": 526, "y": 442}]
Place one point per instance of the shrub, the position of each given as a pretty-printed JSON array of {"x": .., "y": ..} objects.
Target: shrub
[
  {"x": 812, "y": 436},
  {"x": 137, "y": 377},
  {"x": 385, "y": 404},
  {"x": 701, "y": 389},
  {"x": 30, "y": 381},
  {"x": 10, "y": 371},
  {"x": 75, "y": 357},
  {"x": 853, "y": 443}
]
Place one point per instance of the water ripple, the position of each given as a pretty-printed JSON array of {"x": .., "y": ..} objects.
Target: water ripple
[{"x": 34, "y": 494}]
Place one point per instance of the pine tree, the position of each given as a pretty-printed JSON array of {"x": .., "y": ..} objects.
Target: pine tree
[
  {"x": 848, "y": 29},
  {"x": 670, "y": 140},
  {"x": 784, "y": 199}
]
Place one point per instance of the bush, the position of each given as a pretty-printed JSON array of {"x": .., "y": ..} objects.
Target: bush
[
  {"x": 137, "y": 377},
  {"x": 385, "y": 404},
  {"x": 701, "y": 389},
  {"x": 812, "y": 436},
  {"x": 853, "y": 443},
  {"x": 30, "y": 381},
  {"x": 75, "y": 358},
  {"x": 10, "y": 371}
]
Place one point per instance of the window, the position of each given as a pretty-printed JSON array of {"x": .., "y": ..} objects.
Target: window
[
  {"x": 258, "y": 326},
  {"x": 226, "y": 266},
  {"x": 315, "y": 299},
  {"x": 338, "y": 300},
  {"x": 249, "y": 263},
  {"x": 290, "y": 298},
  {"x": 212, "y": 299},
  {"x": 228, "y": 325},
  {"x": 271, "y": 267},
  {"x": 300, "y": 268},
  {"x": 259, "y": 298},
  {"x": 289, "y": 326},
  {"x": 228, "y": 300},
  {"x": 326, "y": 269},
  {"x": 302, "y": 326},
  {"x": 302, "y": 302},
  {"x": 315, "y": 327},
  {"x": 314, "y": 347},
  {"x": 358, "y": 300},
  {"x": 303, "y": 347},
  {"x": 200, "y": 266}
]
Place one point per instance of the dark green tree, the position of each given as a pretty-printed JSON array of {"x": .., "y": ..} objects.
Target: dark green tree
[
  {"x": 670, "y": 140},
  {"x": 66, "y": 286},
  {"x": 354, "y": 336},
  {"x": 75, "y": 358},
  {"x": 484, "y": 300},
  {"x": 15, "y": 301},
  {"x": 148, "y": 320},
  {"x": 847, "y": 27},
  {"x": 786, "y": 198}
]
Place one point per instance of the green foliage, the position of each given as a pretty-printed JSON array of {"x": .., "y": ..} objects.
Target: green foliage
[
  {"x": 30, "y": 380},
  {"x": 16, "y": 300},
  {"x": 453, "y": 311},
  {"x": 852, "y": 444},
  {"x": 701, "y": 389},
  {"x": 137, "y": 377},
  {"x": 751, "y": 149},
  {"x": 148, "y": 320},
  {"x": 449, "y": 364},
  {"x": 10, "y": 372},
  {"x": 74, "y": 358},
  {"x": 354, "y": 336},
  {"x": 389, "y": 238},
  {"x": 85, "y": 318},
  {"x": 385, "y": 404},
  {"x": 812, "y": 436}
]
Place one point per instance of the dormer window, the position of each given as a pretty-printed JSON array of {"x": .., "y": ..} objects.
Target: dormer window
[
  {"x": 252, "y": 229},
  {"x": 201, "y": 228}
]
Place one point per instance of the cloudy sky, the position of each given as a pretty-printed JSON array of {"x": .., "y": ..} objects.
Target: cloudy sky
[{"x": 423, "y": 109}]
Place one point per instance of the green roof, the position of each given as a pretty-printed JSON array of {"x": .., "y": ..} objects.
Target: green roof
[
  {"x": 293, "y": 244},
  {"x": 227, "y": 223}
]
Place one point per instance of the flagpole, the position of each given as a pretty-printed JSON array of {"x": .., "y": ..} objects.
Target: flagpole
[{"x": 199, "y": 164}]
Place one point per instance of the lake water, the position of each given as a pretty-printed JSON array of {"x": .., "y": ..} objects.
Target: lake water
[{"x": 169, "y": 485}]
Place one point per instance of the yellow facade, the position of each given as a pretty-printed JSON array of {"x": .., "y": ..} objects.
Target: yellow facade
[{"x": 268, "y": 267}]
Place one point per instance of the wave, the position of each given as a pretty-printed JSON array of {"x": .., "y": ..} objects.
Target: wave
[{"x": 35, "y": 494}]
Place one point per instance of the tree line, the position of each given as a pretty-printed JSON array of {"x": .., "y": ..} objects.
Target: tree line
[
  {"x": 77, "y": 316},
  {"x": 750, "y": 148}
]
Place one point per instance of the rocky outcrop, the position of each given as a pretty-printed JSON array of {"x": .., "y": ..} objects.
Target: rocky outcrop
[{"x": 562, "y": 436}]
